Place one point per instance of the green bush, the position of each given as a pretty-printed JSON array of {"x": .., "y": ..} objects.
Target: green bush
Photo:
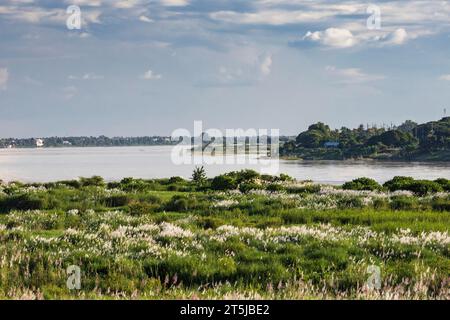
[
  {"x": 362, "y": 184},
  {"x": 249, "y": 186},
  {"x": 131, "y": 184},
  {"x": 380, "y": 203},
  {"x": 181, "y": 203},
  {"x": 150, "y": 198},
  {"x": 246, "y": 175},
  {"x": 268, "y": 178},
  {"x": 284, "y": 177},
  {"x": 308, "y": 189},
  {"x": 274, "y": 187},
  {"x": 404, "y": 203},
  {"x": 441, "y": 204},
  {"x": 142, "y": 208},
  {"x": 117, "y": 200},
  {"x": 22, "y": 202},
  {"x": 423, "y": 187},
  {"x": 176, "y": 180},
  {"x": 398, "y": 183},
  {"x": 444, "y": 183},
  {"x": 71, "y": 183},
  {"x": 351, "y": 202},
  {"x": 95, "y": 181},
  {"x": 223, "y": 182},
  {"x": 419, "y": 187}
]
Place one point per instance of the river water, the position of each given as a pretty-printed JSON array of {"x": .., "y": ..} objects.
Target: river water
[{"x": 115, "y": 163}]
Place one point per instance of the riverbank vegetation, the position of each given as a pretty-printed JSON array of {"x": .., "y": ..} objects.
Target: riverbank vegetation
[
  {"x": 409, "y": 142},
  {"x": 239, "y": 235}
]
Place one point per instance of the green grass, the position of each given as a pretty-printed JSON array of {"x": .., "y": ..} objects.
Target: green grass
[{"x": 154, "y": 243}]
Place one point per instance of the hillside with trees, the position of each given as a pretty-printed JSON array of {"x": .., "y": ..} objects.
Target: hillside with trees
[{"x": 410, "y": 141}]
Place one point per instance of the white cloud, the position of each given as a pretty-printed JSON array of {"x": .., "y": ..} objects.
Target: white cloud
[
  {"x": 32, "y": 81},
  {"x": 86, "y": 76},
  {"x": 266, "y": 65},
  {"x": 69, "y": 92},
  {"x": 333, "y": 37},
  {"x": 248, "y": 67},
  {"x": 4, "y": 77},
  {"x": 270, "y": 17},
  {"x": 398, "y": 37},
  {"x": 352, "y": 75},
  {"x": 125, "y": 4},
  {"x": 150, "y": 75},
  {"x": 445, "y": 77},
  {"x": 91, "y": 3},
  {"x": 174, "y": 3},
  {"x": 145, "y": 19}
]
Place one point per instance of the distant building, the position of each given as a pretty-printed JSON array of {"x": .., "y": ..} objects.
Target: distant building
[
  {"x": 331, "y": 144},
  {"x": 39, "y": 143}
]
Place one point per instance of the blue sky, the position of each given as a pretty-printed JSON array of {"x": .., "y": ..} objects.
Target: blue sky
[{"x": 143, "y": 67}]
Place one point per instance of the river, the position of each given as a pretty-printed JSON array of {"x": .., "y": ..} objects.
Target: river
[{"x": 115, "y": 163}]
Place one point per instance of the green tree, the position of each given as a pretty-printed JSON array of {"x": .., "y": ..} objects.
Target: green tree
[
  {"x": 199, "y": 175},
  {"x": 393, "y": 138}
]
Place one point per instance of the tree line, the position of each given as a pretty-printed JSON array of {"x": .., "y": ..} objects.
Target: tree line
[{"x": 430, "y": 141}]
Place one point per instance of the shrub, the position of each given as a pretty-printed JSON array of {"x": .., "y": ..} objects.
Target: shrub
[
  {"x": 175, "y": 180},
  {"x": 22, "y": 202},
  {"x": 117, "y": 201},
  {"x": 141, "y": 208},
  {"x": 380, "y": 203},
  {"x": 96, "y": 181},
  {"x": 223, "y": 182},
  {"x": 130, "y": 184},
  {"x": 178, "y": 203},
  {"x": 268, "y": 178},
  {"x": 423, "y": 187},
  {"x": 181, "y": 203},
  {"x": 313, "y": 188},
  {"x": 419, "y": 187},
  {"x": 274, "y": 187},
  {"x": 444, "y": 183},
  {"x": 398, "y": 183},
  {"x": 150, "y": 198},
  {"x": 441, "y": 204},
  {"x": 246, "y": 175},
  {"x": 173, "y": 187},
  {"x": 362, "y": 184},
  {"x": 210, "y": 222},
  {"x": 352, "y": 202},
  {"x": 113, "y": 185},
  {"x": 249, "y": 186},
  {"x": 403, "y": 203},
  {"x": 71, "y": 183},
  {"x": 199, "y": 176},
  {"x": 285, "y": 177}
]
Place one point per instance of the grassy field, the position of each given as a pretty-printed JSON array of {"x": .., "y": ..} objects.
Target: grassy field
[{"x": 241, "y": 236}]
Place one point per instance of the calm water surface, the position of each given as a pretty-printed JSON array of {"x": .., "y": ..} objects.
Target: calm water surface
[{"x": 114, "y": 163}]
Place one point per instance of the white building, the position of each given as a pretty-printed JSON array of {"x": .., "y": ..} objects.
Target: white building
[{"x": 39, "y": 143}]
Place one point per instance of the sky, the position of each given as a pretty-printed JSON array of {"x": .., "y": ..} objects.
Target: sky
[{"x": 148, "y": 67}]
